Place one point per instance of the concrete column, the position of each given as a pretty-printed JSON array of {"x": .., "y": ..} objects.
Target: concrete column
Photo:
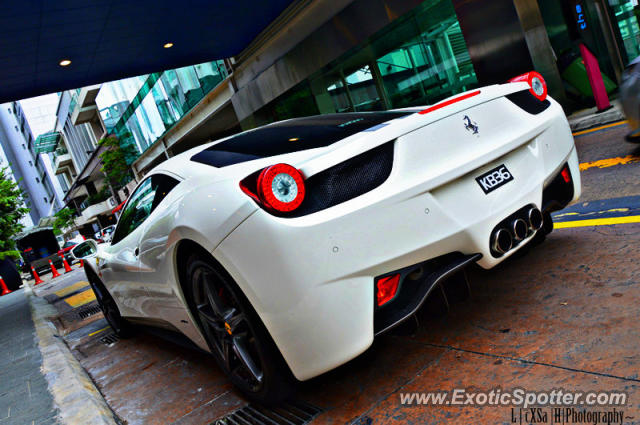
[
  {"x": 537, "y": 39},
  {"x": 608, "y": 28}
]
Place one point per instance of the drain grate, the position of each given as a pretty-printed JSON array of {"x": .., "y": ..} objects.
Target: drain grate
[
  {"x": 85, "y": 312},
  {"x": 295, "y": 413},
  {"x": 110, "y": 339}
]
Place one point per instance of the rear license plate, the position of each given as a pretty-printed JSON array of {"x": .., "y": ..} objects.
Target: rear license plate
[{"x": 493, "y": 179}]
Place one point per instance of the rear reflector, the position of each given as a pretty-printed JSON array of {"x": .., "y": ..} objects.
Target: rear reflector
[
  {"x": 450, "y": 102},
  {"x": 566, "y": 175},
  {"x": 386, "y": 288}
]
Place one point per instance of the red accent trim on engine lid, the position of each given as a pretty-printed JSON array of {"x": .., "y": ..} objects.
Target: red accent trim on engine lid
[{"x": 450, "y": 102}]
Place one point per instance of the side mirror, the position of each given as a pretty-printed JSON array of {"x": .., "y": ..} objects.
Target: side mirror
[{"x": 83, "y": 250}]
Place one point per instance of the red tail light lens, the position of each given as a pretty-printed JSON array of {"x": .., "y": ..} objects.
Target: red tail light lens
[
  {"x": 386, "y": 289},
  {"x": 566, "y": 174},
  {"x": 278, "y": 188},
  {"x": 536, "y": 82}
]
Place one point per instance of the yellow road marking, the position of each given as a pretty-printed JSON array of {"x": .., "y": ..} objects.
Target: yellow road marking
[
  {"x": 97, "y": 332},
  {"x": 598, "y": 222},
  {"x": 72, "y": 288},
  {"x": 81, "y": 299},
  {"x": 610, "y": 162},
  {"x": 591, "y": 130}
]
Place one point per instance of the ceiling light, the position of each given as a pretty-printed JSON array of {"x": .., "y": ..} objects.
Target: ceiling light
[
  {"x": 168, "y": 45},
  {"x": 65, "y": 62},
  {"x": 294, "y": 139}
]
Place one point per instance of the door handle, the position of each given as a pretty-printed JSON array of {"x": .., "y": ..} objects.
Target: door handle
[{"x": 136, "y": 251}]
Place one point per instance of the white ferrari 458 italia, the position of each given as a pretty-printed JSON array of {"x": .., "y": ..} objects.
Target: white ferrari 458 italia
[{"x": 286, "y": 249}]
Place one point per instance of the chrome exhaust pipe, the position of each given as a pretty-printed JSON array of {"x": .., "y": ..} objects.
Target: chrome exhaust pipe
[
  {"x": 501, "y": 241},
  {"x": 519, "y": 229},
  {"x": 535, "y": 219}
]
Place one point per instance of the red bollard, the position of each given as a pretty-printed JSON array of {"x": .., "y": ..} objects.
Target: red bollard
[
  {"x": 54, "y": 271},
  {"x": 36, "y": 277},
  {"x": 67, "y": 267},
  {"x": 4, "y": 288}
]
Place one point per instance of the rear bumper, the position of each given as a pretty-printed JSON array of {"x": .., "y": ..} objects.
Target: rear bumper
[
  {"x": 416, "y": 284},
  {"x": 311, "y": 279}
]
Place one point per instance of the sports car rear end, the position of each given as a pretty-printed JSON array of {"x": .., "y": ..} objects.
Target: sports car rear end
[{"x": 390, "y": 211}]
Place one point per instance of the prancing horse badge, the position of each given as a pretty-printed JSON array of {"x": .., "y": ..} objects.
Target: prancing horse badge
[{"x": 471, "y": 126}]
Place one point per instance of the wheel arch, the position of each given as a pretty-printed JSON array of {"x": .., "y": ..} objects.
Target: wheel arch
[{"x": 184, "y": 249}]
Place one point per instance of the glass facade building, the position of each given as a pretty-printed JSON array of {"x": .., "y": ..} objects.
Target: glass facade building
[
  {"x": 140, "y": 110},
  {"x": 419, "y": 59},
  {"x": 626, "y": 18}
]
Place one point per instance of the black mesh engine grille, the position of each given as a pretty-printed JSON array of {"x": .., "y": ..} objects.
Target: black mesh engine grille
[
  {"x": 525, "y": 100},
  {"x": 347, "y": 180}
]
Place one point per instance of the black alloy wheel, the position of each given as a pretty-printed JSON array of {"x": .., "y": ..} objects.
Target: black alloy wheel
[
  {"x": 109, "y": 308},
  {"x": 238, "y": 340}
]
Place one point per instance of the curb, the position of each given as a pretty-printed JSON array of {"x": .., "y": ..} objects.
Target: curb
[
  {"x": 594, "y": 120},
  {"x": 74, "y": 393}
]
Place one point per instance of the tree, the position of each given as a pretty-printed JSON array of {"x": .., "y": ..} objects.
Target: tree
[
  {"x": 114, "y": 163},
  {"x": 64, "y": 218},
  {"x": 12, "y": 209}
]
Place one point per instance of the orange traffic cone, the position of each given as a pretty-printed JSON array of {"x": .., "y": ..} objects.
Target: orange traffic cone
[
  {"x": 54, "y": 271},
  {"x": 67, "y": 267},
  {"x": 36, "y": 277},
  {"x": 81, "y": 263},
  {"x": 4, "y": 288}
]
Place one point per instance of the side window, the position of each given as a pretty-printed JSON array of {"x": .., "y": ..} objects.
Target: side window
[{"x": 142, "y": 202}]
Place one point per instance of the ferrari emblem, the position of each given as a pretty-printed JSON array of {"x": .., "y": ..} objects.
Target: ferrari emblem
[
  {"x": 471, "y": 126},
  {"x": 228, "y": 328}
]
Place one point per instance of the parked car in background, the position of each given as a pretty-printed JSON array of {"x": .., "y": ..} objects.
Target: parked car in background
[{"x": 66, "y": 250}]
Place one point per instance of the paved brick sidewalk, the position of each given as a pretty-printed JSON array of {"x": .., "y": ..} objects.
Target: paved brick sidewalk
[{"x": 24, "y": 395}]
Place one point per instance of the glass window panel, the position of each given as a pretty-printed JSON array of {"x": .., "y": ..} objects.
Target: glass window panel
[
  {"x": 362, "y": 90},
  {"x": 420, "y": 60},
  {"x": 146, "y": 124},
  {"x": 190, "y": 85},
  {"x": 114, "y": 97},
  {"x": 430, "y": 65},
  {"x": 167, "y": 109},
  {"x": 629, "y": 29},
  {"x": 339, "y": 96},
  {"x": 209, "y": 75},
  {"x": 174, "y": 91}
]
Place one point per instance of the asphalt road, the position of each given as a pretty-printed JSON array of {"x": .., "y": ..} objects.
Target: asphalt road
[{"x": 24, "y": 396}]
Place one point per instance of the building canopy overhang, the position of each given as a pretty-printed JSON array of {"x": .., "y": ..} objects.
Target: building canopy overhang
[{"x": 112, "y": 39}]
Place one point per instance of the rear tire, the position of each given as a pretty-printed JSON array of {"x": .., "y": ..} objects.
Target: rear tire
[{"x": 238, "y": 340}]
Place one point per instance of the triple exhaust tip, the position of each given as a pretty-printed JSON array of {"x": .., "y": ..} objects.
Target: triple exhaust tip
[{"x": 502, "y": 240}]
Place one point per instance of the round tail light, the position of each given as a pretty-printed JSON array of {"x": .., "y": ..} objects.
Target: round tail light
[
  {"x": 281, "y": 188},
  {"x": 536, "y": 82}
]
